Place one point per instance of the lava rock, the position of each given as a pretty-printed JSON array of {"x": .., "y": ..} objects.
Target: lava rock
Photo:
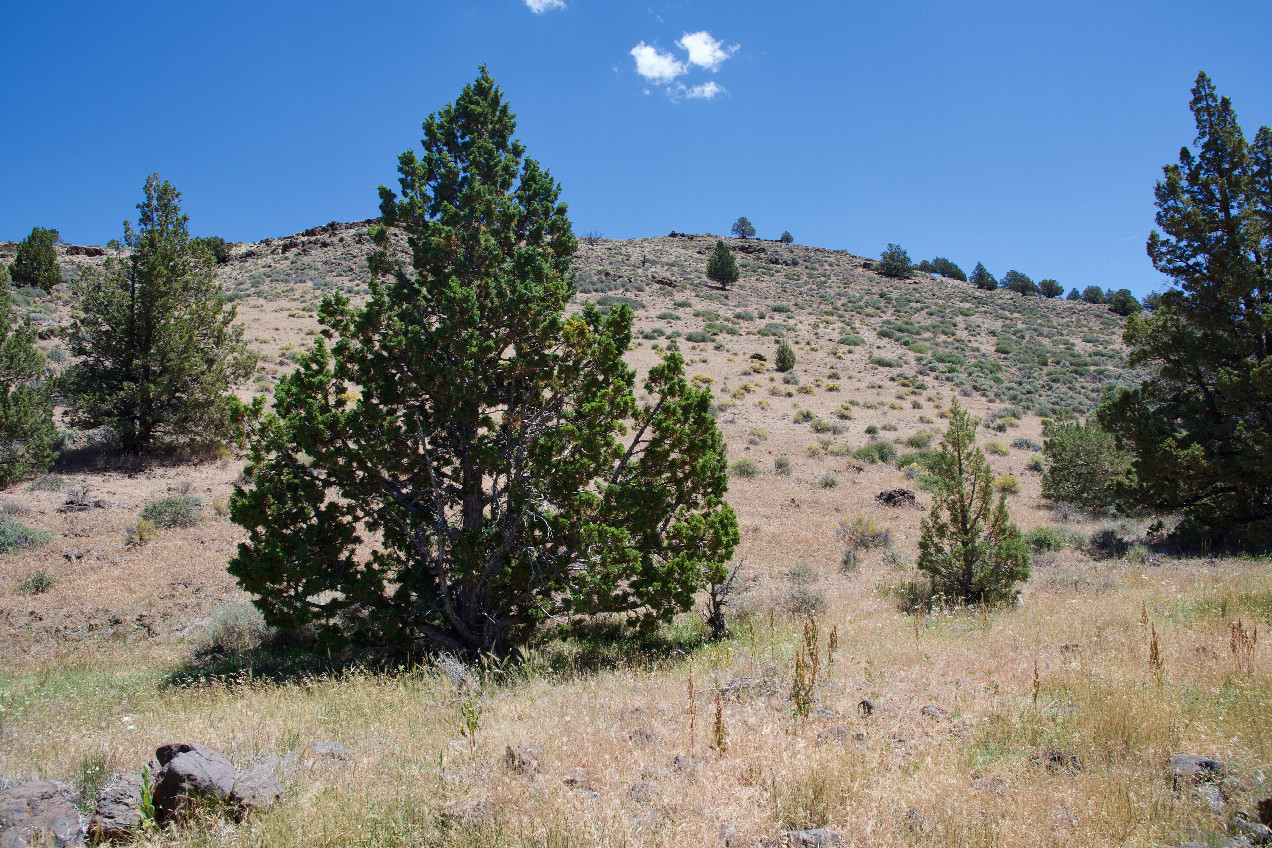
[
  {"x": 118, "y": 811},
  {"x": 38, "y": 813},
  {"x": 190, "y": 773}
]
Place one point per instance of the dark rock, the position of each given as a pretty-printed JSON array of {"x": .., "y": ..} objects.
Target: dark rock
[
  {"x": 525, "y": 758},
  {"x": 1265, "y": 811},
  {"x": 1185, "y": 768},
  {"x": 811, "y": 838},
  {"x": 1053, "y": 760},
  {"x": 38, "y": 813},
  {"x": 643, "y": 791},
  {"x": 190, "y": 773},
  {"x": 1244, "y": 826},
  {"x": 259, "y": 787},
  {"x": 898, "y": 498},
  {"x": 118, "y": 811},
  {"x": 865, "y": 707},
  {"x": 934, "y": 712}
]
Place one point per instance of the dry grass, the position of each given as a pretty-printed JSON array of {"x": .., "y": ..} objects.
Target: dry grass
[{"x": 105, "y": 665}]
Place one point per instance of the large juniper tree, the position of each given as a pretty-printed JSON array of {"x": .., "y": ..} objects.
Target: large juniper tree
[
  {"x": 159, "y": 350},
  {"x": 28, "y": 438},
  {"x": 1201, "y": 428},
  {"x": 466, "y": 461},
  {"x": 36, "y": 262}
]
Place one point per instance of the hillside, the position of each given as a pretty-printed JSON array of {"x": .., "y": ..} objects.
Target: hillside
[{"x": 1044, "y": 724}]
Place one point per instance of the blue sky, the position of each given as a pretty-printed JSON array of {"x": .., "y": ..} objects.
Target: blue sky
[{"x": 1022, "y": 135}]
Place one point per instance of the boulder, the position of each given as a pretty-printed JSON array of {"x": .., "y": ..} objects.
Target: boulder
[
  {"x": 1245, "y": 826},
  {"x": 328, "y": 749},
  {"x": 525, "y": 758},
  {"x": 816, "y": 838},
  {"x": 118, "y": 811},
  {"x": 1190, "y": 768},
  {"x": 898, "y": 498},
  {"x": 38, "y": 813},
  {"x": 190, "y": 773},
  {"x": 934, "y": 712},
  {"x": 1057, "y": 761},
  {"x": 1265, "y": 811},
  {"x": 259, "y": 787}
]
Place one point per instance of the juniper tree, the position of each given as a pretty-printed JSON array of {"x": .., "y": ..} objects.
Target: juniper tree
[
  {"x": 787, "y": 238},
  {"x": 721, "y": 266},
  {"x": 1201, "y": 427},
  {"x": 784, "y": 360},
  {"x": 895, "y": 262},
  {"x": 36, "y": 262},
  {"x": 742, "y": 228},
  {"x": 466, "y": 462},
  {"x": 1050, "y": 288},
  {"x": 28, "y": 438},
  {"x": 159, "y": 350},
  {"x": 1018, "y": 282},
  {"x": 968, "y": 546},
  {"x": 982, "y": 279}
]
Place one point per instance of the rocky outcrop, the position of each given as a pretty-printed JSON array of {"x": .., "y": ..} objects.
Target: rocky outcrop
[{"x": 38, "y": 813}]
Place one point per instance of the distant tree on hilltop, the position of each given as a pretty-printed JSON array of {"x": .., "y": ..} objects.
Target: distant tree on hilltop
[
  {"x": 36, "y": 262},
  {"x": 1094, "y": 295},
  {"x": 742, "y": 228},
  {"x": 944, "y": 268},
  {"x": 895, "y": 262},
  {"x": 787, "y": 238},
  {"x": 1018, "y": 282},
  {"x": 1074, "y": 294},
  {"x": 1124, "y": 303},
  {"x": 1050, "y": 288},
  {"x": 982, "y": 279},
  {"x": 721, "y": 266}
]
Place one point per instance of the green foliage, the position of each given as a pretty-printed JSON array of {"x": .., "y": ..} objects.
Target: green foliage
[
  {"x": 1042, "y": 539},
  {"x": 742, "y": 228},
  {"x": 982, "y": 279},
  {"x": 784, "y": 360},
  {"x": 1050, "y": 288},
  {"x": 475, "y": 487},
  {"x": 745, "y": 467},
  {"x": 782, "y": 466},
  {"x": 36, "y": 262},
  {"x": 174, "y": 511},
  {"x": 852, "y": 340},
  {"x": 787, "y": 238},
  {"x": 1018, "y": 282},
  {"x": 1073, "y": 295},
  {"x": 895, "y": 262},
  {"x": 1085, "y": 465},
  {"x": 1124, "y": 303},
  {"x": 721, "y": 267},
  {"x": 28, "y": 438},
  {"x": 1094, "y": 295},
  {"x": 944, "y": 268},
  {"x": 159, "y": 348},
  {"x": 214, "y": 246},
  {"x": 880, "y": 453},
  {"x": 968, "y": 546},
  {"x": 1201, "y": 427},
  {"x": 15, "y": 536},
  {"x": 37, "y": 583}
]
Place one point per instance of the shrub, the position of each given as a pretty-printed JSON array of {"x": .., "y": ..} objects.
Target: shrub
[
  {"x": 237, "y": 629},
  {"x": 880, "y": 453},
  {"x": 15, "y": 536},
  {"x": 140, "y": 532},
  {"x": 919, "y": 441},
  {"x": 790, "y": 378},
  {"x": 829, "y": 480},
  {"x": 745, "y": 467},
  {"x": 849, "y": 559},
  {"x": 1107, "y": 543},
  {"x": 852, "y": 340},
  {"x": 214, "y": 247},
  {"x": 784, "y": 360},
  {"x": 1085, "y": 465},
  {"x": 173, "y": 511},
  {"x": 885, "y": 362},
  {"x": 698, "y": 336},
  {"x": 1026, "y": 444},
  {"x": 996, "y": 449},
  {"x": 967, "y": 545},
  {"x": 864, "y": 534},
  {"x": 782, "y": 465},
  {"x": 36, "y": 583},
  {"x": 1042, "y": 539}
]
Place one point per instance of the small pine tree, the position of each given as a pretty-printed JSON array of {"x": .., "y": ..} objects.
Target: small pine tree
[
  {"x": 1073, "y": 295},
  {"x": 895, "y": 262},
  {"x": 28, "y": 438},
  {"x": 159, "y": 350},
  {"x": 785, "y": 358},
  {"x": 1018, "y": 282},
  {"x": 36, "y": 262},
  {"x": 982, "y": 279},
  {"x": 787, "y": 238},
  {"x": 968, "y": 546},
  {"x": 721, "y": 266},
  {"x": 742, "y": 228}
]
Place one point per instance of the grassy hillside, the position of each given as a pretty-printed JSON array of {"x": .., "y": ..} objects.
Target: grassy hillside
[{"x": 1046, "y": 724}]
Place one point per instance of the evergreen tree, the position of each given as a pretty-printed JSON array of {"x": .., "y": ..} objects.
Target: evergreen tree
[
  {"x": 449, "y": 474},
  {"x": 721, "y": 267},
  {"x": 895, "y": 262},
  {"x": 742, "y": 228},
  {"x": 787, "y": 238},
  {"x": 784, "y": 360},
  {"x": 1124, "y": 303},
  {"x": 968, "y": 546},
  {"x": 159, "y": 348},
  {"x": 36, "y": 262},
  {"x": 946, "y": 268},
  {"x": 1050, "y": 288},
  {"x": 1201, "y": 426},
  {"x": 1074, "y": 294},
  {"x": 1019, "y": 283},
  {"x": 1085, "y": 465},
  {"x": 982, "y": 279},
  {"x": 1094, "y": 295},
  {"x": 28, "y": 439}
]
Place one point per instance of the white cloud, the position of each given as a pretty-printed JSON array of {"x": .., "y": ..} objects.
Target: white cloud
[
  {"x": 704, "y": 91},
  {"x": 655, "y": 66},
  {"x": 541, "y": 6},
  {"x": 704, "y": 51}
]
